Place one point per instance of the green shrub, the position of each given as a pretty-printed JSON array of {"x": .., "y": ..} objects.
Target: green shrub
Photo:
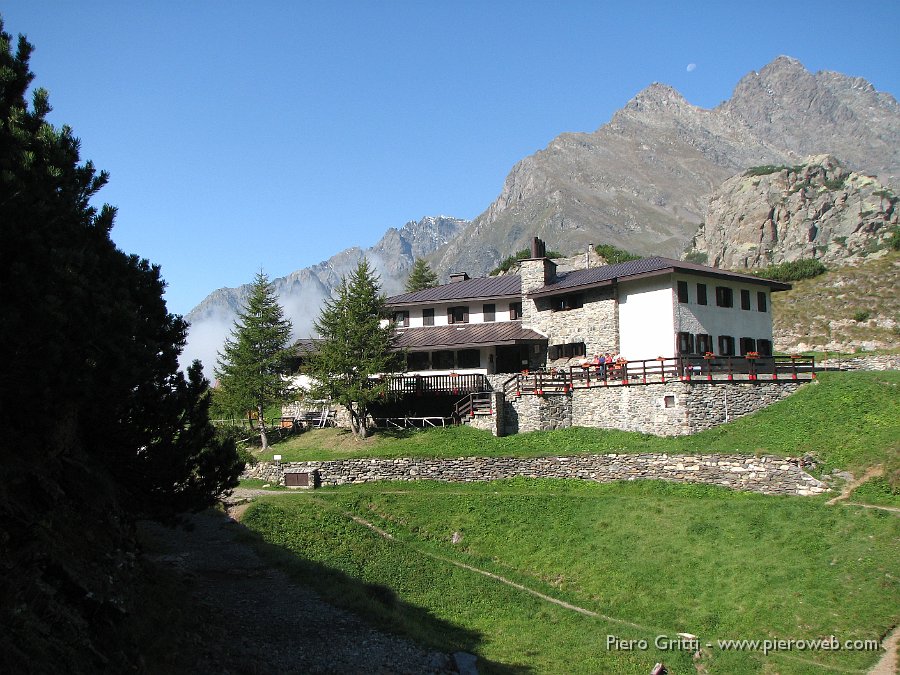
[
  {"x": 861, "y": 315},
  {"x": 894, "y": 241},
  {"x": 767, "y": 169},
  {"x": 792, "y": 271},
  {"x": 697, "y": 257},
  {"x": 614, "y": 255},
  {"x": 835, "y": 183}
]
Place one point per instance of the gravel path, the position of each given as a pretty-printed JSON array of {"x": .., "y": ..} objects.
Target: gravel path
[{"x": 270, "y": 623}]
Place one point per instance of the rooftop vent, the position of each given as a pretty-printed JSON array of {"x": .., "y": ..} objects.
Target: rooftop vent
[{"x": 458, "y": 276}]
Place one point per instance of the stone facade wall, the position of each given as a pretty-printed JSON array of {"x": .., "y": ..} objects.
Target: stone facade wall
[
  {"x": 596, "y": 323},
  {"x": 766, "y": 475}
]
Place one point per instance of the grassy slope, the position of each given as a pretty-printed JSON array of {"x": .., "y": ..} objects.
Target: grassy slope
[
  {"x": 672, "y": 558},
  {"x": 805, "y": 313},
  {"x": 850, "y": 420}
]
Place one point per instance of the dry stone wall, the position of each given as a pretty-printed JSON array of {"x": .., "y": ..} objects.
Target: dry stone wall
[{"x": 765, "y": 475}]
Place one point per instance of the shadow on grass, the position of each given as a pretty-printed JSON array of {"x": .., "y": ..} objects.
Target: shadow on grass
[{"x": 378, "y": 604}]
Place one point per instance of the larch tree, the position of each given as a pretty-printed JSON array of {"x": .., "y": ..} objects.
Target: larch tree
[
  {"x": 356, "y": 351},
  {"x": 421, "y": 277},
  {"x": 251, "y": 365}
]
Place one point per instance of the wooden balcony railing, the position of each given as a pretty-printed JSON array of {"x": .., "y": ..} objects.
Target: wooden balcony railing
[
  {"x": 438, "y": 384},
  {"x": 651, "y": 371}
]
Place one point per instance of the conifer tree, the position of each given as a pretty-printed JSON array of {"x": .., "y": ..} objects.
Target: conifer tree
[
  {"x": 355, "y": 350},
  {"x": 421, "y": 277},
  {"x": 252, "y": 362}
]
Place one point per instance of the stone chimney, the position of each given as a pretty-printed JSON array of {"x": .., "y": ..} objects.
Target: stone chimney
[
  {"x": 538, "y": 270},
  {"x": 458, "y": 276}
]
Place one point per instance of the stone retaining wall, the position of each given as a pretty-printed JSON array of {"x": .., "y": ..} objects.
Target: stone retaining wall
[
  {"x": 665, "y": 409},
  {"x": 766, "y": 475},
  {"x": 874, "y": 362}
]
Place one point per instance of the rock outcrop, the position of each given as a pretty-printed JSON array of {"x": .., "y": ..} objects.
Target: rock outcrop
[{"x": 816, "y": 209}]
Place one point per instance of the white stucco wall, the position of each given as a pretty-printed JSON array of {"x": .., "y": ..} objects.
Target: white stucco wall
[
  {"x": 646, "y": 326},
  {"x": 714, "y": 320}
]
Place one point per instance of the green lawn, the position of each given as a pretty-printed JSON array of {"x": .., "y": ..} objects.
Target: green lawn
[
  {"x": 849, "y": 420},
  {"x": 669, "y": 558}
]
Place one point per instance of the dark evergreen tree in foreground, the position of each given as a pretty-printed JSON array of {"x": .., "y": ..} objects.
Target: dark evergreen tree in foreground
[
  {"x": 356, "y": 350},
  {"x": 99, "y": 425},
  {"x": 252, "y": 362},
  {"x": 421, "y": 277}
]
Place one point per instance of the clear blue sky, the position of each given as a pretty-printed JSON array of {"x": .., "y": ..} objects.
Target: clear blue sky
[{"x": 274, "y": 134}]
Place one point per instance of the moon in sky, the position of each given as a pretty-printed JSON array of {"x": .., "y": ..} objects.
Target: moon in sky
[{"x": 691, "y": 67}]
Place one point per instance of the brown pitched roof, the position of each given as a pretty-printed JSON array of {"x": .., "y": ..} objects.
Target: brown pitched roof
[
  {"x": 645, "y": 267},
  {"x": 507, "y": 285},
  {"x": 459, "y": 336}
]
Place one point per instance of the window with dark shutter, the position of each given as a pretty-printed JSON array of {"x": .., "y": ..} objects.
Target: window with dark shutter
[
  {"x": 724, "y": 296},
  {"x": 761, "y": 301},
  {"x": 685, "y": 343},
  {"x": 701, "y": 294},
  {"x": 745, "y": 299},
  {"x": 704, "y": 343},
  {"x": 401, "y": 319},
  {"x": 683, "y": 292},
  {"x": 428, "y": 317},
  {"x": 515, "y": 311},
  {"x": 489, "y": 312},
  {"x": 764, "y": 347},
  {"x": 458, "y": 314},
  {"x": 726, "y": 345},
  {"x": 748, "y": 344}
]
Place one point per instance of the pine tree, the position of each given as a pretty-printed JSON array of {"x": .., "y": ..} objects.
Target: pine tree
[
  {"x": 355, "y": 350},
  {"x": 251, "y": 363},
  {"x": 421, "y": 277}
]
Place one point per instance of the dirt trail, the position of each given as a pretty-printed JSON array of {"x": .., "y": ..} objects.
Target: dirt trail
[
  {"x": 871, "y": 472},
  {"x": 270, "y": 624},
  {"x": 889, "y": 664}
]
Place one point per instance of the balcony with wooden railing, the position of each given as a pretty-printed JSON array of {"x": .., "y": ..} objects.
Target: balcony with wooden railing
[
  {"x": 452, "y": 384},
  {"x": 697, "y": 369}
]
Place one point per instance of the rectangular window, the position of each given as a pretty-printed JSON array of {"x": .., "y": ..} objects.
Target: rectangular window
[
  {"x": 764, "y": 347},
  {"x": 685, "y": 343},
  {"x": 704, "y": 343},
  {"x": 761, "y": 301},
  {"x": 748, "y": 344},
  {"x": 724, "y": 296},
  {"x": 417, "y": 361},
  {"x": 428, "y": 317},
  {"x": 567, "y": 351},
  {"x": 515, "y": 311},
  {"x": 458, "y": 314},
  {"x": 682, "y": 292},
  {"x": 701, "y": 294},
  {"x": 726, "y": 345},
  {"x": 490, "y": 312},
  {"x": 745, "y": 299},
  {"x": 567, "y": 302},
  {"x": 468, "y": 358},
  {"x": 401, "y": 319},
  {"x": 443, "y": 360}
]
